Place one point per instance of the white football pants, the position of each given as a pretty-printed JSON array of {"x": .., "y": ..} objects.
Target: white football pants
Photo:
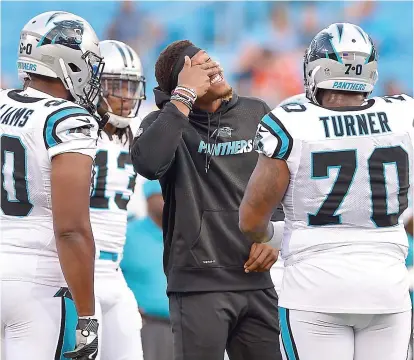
[
  {"x": 309, "y": 335},
  {"x": 37, "y": 321},
  {"x": 120, "y": 322}
]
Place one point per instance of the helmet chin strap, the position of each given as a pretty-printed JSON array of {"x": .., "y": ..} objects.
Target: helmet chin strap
[
  {"x": 314, "y": 89},
  {"x": 68, "y": 81},
  {"x": 25, "y": 78},
  {"x": 119, "y": 122},
  {"x": 107, "y": 104}
]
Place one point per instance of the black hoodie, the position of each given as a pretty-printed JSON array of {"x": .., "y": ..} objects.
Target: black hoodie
[{"x": 204, "y": 249}]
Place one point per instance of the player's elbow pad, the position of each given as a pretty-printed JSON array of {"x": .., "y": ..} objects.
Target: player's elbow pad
[{"x": 278, "y": 229}]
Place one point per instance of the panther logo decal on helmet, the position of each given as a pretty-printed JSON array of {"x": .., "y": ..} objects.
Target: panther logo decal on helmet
[
  {"x": 67, "y": 32},
  {"x": 322, "y": 47}
]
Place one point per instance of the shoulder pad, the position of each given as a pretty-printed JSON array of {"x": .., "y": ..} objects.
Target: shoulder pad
[
  {"x": 65, "y": 118},
  {"x": 395, "y": 98},
  {"x": 290, "y": 110},
  {"x": 272, "y": 138}
]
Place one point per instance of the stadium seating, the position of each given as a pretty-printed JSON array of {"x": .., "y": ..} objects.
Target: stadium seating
[{"x": 223, "y": 27}]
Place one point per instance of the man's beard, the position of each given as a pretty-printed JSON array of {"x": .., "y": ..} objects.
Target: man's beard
[{"x": 226, "y": 94}]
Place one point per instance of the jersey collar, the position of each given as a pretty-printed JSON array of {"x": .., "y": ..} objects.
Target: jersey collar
[{"x": 35, "y": 93}]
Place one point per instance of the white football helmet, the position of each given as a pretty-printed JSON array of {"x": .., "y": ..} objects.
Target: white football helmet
[
  {"x": 62, "y": 45},
  {"x": 123, "y": 79},
  {"x": 340, "y": 57}
]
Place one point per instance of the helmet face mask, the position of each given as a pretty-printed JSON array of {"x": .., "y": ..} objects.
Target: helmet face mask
[
  {"x": 63, "y": 46},
  {"x": 340, "y": 57},
  {"x": 123, "y": 83},
  {"x": 126, "y": 90},
  {"x": 93, "y": 88}
]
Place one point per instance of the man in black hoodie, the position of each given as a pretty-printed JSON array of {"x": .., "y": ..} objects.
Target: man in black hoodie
[{"x": 199, "y": 145}]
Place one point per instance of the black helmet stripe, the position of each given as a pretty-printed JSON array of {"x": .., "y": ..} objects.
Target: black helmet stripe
[
  {"x": 361, "y": 32},
  {"x": 122, "y": 54},
  {"x": 373, "y": 56},
  {"x": 130, "y": 54},
  {"x": 340, "y": 30}
]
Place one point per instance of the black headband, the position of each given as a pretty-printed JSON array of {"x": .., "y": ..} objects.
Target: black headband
[{"x": 189, "y": 51}]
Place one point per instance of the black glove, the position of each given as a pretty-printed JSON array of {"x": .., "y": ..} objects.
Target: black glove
[{"x": 86, "y": 340}]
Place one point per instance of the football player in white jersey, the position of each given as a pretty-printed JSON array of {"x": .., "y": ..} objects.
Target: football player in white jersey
[
  {"x": 48, "y": 143},
  {"x": 123, "y": 87},
  {"x": 341, "y": 167},
  {"x": 276, "y": 272}
]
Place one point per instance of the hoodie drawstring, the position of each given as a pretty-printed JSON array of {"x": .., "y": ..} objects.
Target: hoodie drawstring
[{"x": 209, "y": 152}]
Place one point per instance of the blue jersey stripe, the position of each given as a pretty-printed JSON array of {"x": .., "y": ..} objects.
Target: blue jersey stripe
[
  {"x": 281, "y": 133},
  {"x": 68, "y": 323},
  {"x": 284, "y": 331},
  {"x": 71, "y": 320},
  {"x": 54, "y": 119}
]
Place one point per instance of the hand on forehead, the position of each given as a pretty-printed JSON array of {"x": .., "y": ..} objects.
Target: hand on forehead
[{"x": 200, "y": 58}]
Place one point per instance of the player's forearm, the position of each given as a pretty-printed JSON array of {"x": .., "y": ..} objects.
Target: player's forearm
[
  {"x": 258, "y": 234},
  {"x": 76, "y": 252}
]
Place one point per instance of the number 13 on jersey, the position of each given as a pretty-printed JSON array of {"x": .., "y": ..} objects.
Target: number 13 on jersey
[{"x": 112, "y": 180}]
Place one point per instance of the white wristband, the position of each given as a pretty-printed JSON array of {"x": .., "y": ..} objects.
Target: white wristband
[{"x": 278, "y": 229}]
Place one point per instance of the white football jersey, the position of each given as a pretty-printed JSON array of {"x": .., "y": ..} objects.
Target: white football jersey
[
  {"x": 350, "y": 171},
  {"x": 114, "y": 185},
  {"x": 34, "y": 127}
]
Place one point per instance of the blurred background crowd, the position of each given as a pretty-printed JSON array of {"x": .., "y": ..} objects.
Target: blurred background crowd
[{"x": 259, "y": 44}]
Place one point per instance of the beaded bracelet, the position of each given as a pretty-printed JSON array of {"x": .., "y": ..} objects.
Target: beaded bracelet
[
  {"x": 183, "y": 100},
  {"x": 186, "y": 90},
  {"x": 184, "y": 95}
]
